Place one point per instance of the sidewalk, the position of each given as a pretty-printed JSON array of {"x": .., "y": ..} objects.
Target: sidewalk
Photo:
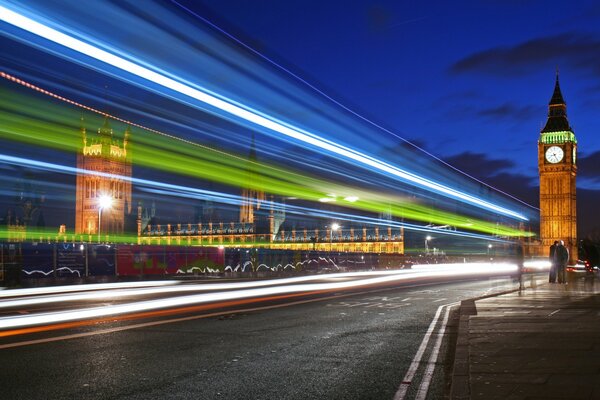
[{"x": 540, "y": 343}]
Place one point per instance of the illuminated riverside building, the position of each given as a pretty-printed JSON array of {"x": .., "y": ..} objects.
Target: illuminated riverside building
[
  {"x": 557, "y": 161},
  {"x": 103, "y": 154},
  {"x": 261, "y": 225},
  {"x": 354, "y": 239}
]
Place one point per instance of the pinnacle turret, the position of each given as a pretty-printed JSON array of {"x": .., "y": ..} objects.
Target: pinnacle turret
[{"x": 557, "y": 112}]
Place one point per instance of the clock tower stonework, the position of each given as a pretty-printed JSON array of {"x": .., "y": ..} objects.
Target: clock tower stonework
[{"x": 557, "y": 156}]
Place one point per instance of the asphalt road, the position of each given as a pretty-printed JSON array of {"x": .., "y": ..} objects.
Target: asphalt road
[{"x": 338, "y": 345}]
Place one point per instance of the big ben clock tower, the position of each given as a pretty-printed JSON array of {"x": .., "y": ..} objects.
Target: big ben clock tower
[{"x": 557, "y": 156}]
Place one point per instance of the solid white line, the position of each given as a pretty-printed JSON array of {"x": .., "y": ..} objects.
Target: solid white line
[
  {"x": 428, "y": 375},
  {"x": 406, "y": 381}
]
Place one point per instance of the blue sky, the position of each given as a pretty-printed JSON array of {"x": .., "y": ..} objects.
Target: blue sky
[{"x": 467, "y": 80}]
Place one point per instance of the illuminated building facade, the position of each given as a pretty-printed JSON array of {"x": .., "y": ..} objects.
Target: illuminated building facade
[
  {"x": 262, "y": 225},
  {"x": 557, "y": 157},
  {"x": 251, "y": 199},
  {"x": 103, "y": 154},
  {"x": 354, "y": 239}
]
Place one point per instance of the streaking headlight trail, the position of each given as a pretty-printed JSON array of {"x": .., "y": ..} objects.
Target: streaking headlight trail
[
  {"x": 240, "y": 111},
  {"x": 440, "y": 271}
]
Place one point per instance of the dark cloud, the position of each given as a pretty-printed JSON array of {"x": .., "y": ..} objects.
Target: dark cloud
[
  {"x": 523, "y": 187},
  {"x": 573, "y": 49},
  {"x": 478, "y": 164},
  {"x": 510, "y": 111},
  {"x": 493, "y": 172},
  {"x": 588, "y": 166},
  {"x": 588, "y": 220}
]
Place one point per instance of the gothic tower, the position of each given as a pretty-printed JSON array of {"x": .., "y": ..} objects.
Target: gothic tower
[
  {"x": 251, "y": 198},
  {"x": 557, "y": 156},
  {"x": 108, "y": 159}
]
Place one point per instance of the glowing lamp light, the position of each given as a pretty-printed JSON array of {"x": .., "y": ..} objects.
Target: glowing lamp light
[
  {"x": 428, "y": 238},
  {"x": 335, "y": 227},
  {"x": 105, "y": 201}
]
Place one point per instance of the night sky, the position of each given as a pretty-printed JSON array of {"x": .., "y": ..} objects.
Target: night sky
[{"x": 468, "y": 82}]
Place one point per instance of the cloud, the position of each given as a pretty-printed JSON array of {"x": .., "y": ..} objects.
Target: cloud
[
  {"x": 523, "y": 187},
  {"x": 510, "y": 111},
  {"x": 587, "y": 212},
  {"x": 588, "y": 166},
  {"x": 574, "y": 49},
  {"x": 494, "y": 173},
  {"x": 478, "y": 164}
]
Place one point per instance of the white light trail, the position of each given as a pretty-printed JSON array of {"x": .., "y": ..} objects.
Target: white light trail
[
  {"x": 80, "y": 288},
  {"x": 90, "y": 292},
  {"x": 181, "y": 301},
  {"x": 229, "y": 107}
]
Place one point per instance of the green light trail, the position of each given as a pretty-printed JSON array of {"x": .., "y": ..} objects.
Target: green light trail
[{"x": 29, "y": 120}]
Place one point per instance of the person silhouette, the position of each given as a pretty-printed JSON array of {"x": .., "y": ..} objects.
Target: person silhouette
[
  {"x": 553, "y": 265},
  {"x": 561, "y": 256}
]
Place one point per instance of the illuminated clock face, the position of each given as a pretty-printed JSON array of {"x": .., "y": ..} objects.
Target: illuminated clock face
[
  {"x": 554, "y": 154},
  {"x": 574, "y": 155}
]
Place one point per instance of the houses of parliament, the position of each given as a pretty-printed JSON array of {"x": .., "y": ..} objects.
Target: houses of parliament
[{"x": 105, "y": 168}]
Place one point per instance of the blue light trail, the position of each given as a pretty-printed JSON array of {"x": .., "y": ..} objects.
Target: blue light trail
[
  {"x": 244, "y": 112},
  {"x": 225, "y": 198}
]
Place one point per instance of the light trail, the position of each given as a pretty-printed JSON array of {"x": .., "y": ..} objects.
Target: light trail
[
  {"x": 192, "y": 91},
  {"x": 223, "y": 167},
  {"x": 461, "y": 270},
  {"x": 235, "y": 199},
  {"x": 328, "y": 97},
  {"x": 79, "y": 288},
  {"x": 125, "y": 289}
]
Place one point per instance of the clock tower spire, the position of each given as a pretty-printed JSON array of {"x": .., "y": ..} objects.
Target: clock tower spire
[{"x": 557, "y": 156}]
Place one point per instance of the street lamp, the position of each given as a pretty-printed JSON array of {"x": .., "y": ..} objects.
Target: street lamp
[
  {"x": 489, "y": 249},
  {"x": 427, "y": 239},
  {"x": 104, "y": 201},
  {"x": 334, "y": 227}
]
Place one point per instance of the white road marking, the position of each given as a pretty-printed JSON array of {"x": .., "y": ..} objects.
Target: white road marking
[
  {"x": 401, "y": 392},
  {"x": 414, "y": 365},
  {"x": 438, "y": 300},
  {"x": 428, "y": 375},
  {"x": 553, "y": 312}
]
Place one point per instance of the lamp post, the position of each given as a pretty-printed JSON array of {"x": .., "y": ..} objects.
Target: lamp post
[
  {"x": 427, "y": 239},
  {"x": 334, "y": 227},
  {"x": 489, "y": 249},
  {"x": 104, "y": 201}
]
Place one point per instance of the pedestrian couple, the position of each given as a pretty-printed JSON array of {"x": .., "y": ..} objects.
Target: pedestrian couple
[{"x": 559, "y": 258}]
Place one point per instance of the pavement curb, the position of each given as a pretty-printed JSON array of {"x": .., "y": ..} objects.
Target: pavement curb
[{"x": 460, "y": 387}]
